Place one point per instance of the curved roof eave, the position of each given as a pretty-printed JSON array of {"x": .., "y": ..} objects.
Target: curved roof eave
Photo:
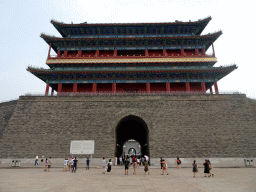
[
  {"x": 60, "y": 25},
  {"x": 44, "y": 36},
  {"x": 218, "y": 69},
  {"x": 207, "y": 19},
  {"x": 48, "y": 39}
]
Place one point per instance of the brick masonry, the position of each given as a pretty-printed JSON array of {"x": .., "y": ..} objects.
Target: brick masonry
[{"x": 188, "y": 126}]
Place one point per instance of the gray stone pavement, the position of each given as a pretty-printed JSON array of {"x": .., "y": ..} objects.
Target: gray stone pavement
[{"x": 35, "y": 179}]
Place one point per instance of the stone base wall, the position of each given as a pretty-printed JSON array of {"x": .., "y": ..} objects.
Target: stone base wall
[{"x": 185, "y": 126}]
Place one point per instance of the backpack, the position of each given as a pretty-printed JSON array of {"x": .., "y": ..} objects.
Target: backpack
[
  {"x": 109, "y": 165},
  {"x": 179, "y": 161}
]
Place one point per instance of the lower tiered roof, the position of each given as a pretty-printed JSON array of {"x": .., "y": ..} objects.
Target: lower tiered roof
[{"x": 140, "y": 74}]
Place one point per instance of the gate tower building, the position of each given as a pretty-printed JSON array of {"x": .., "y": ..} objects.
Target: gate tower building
[
  {"x": 118, "y": 82},
  {"x": 131, "y": 57}
]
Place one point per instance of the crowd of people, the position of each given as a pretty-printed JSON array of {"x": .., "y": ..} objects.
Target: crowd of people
[{"x": 129, "y": 160}]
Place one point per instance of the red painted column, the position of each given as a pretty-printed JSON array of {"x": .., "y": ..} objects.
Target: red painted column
[
  {"x": 164, "y": 52},
  {"x": 58, "y": 53},
  {"x": 148, "y": 87},
  {"x": 203, "y": 51},
  {"x": 52, "y": 92},
  {"x": 97, "y": 52},
  {"x": 213, "y": 53},
  {"x": 65, "y": 53},
  {"x": 49, "y": 56},
  {"x": 59, "y": 88},
  {"x": 94, "y": 87},
  {"x": 203, "y": 87},
  {"x": 196, "y": 51},
  {"x": 216, "y": 88},
  {"x": 187, "y": 87},
  {"x": 182, "y": 52},
  {"x": 113, "y": 87},
  {"x": 115, "y": 53},
  {"x": 79, "y": 53},
  {"x": 47, "y": 89},
  {"x": 146, "y": 52},
  {"x": 211, "y": 90},
  {"x": 74, "y": 87},
  {"x": 168, "y": 88}
]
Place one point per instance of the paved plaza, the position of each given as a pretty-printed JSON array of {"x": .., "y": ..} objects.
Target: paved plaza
[{"x": 35, "y": 179}]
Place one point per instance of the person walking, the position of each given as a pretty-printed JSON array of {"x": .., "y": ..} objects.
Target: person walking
[
  {"x": 109, "y": 166},
  {"x": 49, "y": 164},
  {"x": 36, "y": 160},
  {"x": 87, "y": 163},
  {"x": 103, "y": 165},
  {"x": 120, "y": 160},
  {"x": 164, "y": 167},
  {"x": 71, "y": 162},
  {"x": 126, "y": 166},
  {"x": 115, "y": 161},
  {"x": 195, "y": 168},
  {"x": 206, "y": 168},
  {"x": 210, "y": 169},
  {"x": 138, "y": 162},
  {"x": 134, "y": 164},
  {"x": 161, "y": 160},
  {"x": 178, "y": 163},
  {"x": 46, "y": 164},
  {"x": 68, "y": 165},
  {"x": 42, "y": 159},
  {"x": 146, "y": 168},
  {"x": 75, "y": 161},
  {"x": 65, "y": 165}
]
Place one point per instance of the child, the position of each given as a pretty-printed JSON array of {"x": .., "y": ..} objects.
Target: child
[{"x": 68, "y": 165}]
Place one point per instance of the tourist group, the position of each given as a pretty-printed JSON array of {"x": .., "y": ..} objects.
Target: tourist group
[{"x": 134, "y": 161}]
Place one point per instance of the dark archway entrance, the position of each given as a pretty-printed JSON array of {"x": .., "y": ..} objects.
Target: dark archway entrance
[{"x": 132, "y": 127}]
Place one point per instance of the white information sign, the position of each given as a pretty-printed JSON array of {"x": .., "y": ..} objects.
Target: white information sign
[{"x": 82, "y": 147}]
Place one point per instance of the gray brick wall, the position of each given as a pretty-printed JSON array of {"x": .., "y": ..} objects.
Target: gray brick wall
[
  {"x": 186, "y": 125},
  {"x": 6, "y": 110}
]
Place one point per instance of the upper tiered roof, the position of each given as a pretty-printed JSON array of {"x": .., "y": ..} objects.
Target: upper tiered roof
[
  {"x": 130, "y": 43},
  {"x": 120, "y": 29}
]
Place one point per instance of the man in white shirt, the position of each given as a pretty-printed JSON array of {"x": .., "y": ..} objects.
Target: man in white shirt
[{"x": 71, "y": 163}]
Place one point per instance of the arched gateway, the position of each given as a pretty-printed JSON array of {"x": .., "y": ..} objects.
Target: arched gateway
[{"x": 131, "y": 127}]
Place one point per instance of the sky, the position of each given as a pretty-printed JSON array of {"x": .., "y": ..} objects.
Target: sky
[{"x": 22, "y": 22}]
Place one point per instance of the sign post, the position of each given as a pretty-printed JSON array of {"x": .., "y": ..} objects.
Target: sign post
[{"x": 82, "y": 147}]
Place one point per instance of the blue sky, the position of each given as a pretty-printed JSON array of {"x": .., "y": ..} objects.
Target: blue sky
[{"x": 22, "y": 22}]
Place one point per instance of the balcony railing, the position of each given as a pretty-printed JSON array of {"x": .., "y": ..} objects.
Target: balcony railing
[
  {"x": 131, "y": 56},
  {"x": 132, "y": 93}
]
